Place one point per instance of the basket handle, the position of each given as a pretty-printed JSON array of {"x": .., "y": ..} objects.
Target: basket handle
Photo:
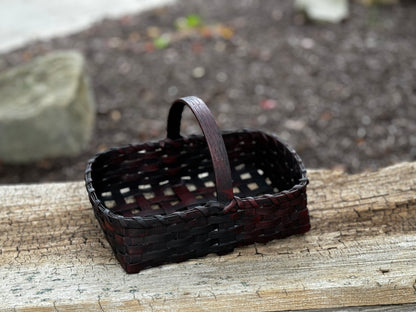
[{"x": 214, "y": 139}]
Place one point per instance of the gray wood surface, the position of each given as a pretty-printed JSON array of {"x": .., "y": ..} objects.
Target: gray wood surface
[{"x": 360, "y": 252}]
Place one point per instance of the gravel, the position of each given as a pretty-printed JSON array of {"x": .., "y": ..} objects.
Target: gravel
[{"x": 343, "y": 95}]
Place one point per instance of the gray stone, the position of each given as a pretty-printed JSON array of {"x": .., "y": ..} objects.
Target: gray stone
[
  {"x": 333, "y": 11},
  {"x": 46, "y": 108}
]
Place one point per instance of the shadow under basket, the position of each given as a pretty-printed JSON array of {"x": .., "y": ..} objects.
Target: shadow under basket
[{"x": 181, "y": 198}]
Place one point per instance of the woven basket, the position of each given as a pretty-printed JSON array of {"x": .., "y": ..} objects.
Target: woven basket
[{"x": 183, "y": 197}]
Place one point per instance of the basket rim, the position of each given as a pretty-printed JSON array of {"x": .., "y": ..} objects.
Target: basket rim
[{"x": 303, "y": 180}]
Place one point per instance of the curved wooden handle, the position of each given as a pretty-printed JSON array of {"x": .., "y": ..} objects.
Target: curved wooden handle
[{"x": 214, "y": 139}]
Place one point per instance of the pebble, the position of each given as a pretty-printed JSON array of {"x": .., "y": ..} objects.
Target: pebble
[
  {"x": 220, "y": 46},
  {"x": 114, "y": 42},
  {"x": 277, "y": 15},
  {"x": 293, "y": 124},
  {"x": 115, "y": 115},
  {"x": 307, "y": 43},
  {"x": 222, "y": 77},
  {"x": 153, "y": 32},
  {"x": 268, "y": 104},
  {"x": 170, "y": 56},
  {"x": 262, "y": 120},
  {"x": 124, "y": 68},
  {"x": 234, "y": 93},
  {"x": 365, "y": 120},
  {"x": 198, "y": 72},
  {"x": 172, "y": 91},
  {"x": 361, "y": 132},
  {"x": 259, "y": 89}
]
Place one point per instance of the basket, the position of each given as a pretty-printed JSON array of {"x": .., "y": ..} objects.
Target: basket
[{"x": 185, "y": 197}]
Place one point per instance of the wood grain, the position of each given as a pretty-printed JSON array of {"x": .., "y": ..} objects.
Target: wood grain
[{"x": 361, "y": 251}]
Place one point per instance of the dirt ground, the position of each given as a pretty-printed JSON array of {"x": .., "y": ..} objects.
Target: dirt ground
[{"x": 343, "y": 95}]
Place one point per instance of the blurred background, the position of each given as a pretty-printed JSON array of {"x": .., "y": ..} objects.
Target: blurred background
[{"x": 340, "y": 90}]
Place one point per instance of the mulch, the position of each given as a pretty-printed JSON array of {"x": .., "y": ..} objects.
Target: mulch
[{"x": 343, "y": 95}]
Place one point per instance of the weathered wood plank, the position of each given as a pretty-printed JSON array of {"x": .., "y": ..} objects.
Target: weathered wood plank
[
  {"x": 361, "y": 251},
  {"x": 390, "y": 308}
]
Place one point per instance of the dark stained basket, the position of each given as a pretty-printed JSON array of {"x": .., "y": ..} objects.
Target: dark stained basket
[{"x": 181, "y": 198}]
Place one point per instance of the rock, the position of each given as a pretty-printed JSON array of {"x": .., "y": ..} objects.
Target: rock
[
  {"x": 333, "y": 11},
  {"x": 46, "y": 108}
]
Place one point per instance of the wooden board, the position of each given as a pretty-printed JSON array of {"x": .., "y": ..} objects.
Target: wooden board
[{"x": 361, "y": 251}]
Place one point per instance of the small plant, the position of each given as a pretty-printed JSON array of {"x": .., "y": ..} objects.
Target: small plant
[
  {"x": 189, "y": 21},
  {"x": 162, "y": 41}
]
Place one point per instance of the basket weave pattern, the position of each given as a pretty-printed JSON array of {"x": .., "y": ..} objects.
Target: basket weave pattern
[{"x": 160, "y": 202}]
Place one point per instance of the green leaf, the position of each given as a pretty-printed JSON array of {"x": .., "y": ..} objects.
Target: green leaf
[
  {"x": 193, "y": 20},
  {"x": 161, "y": 42},
  {"x": 190, "y": 21}
]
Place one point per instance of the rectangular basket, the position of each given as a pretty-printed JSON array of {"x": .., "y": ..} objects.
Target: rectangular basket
[{"x": 186, "y": 197}]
